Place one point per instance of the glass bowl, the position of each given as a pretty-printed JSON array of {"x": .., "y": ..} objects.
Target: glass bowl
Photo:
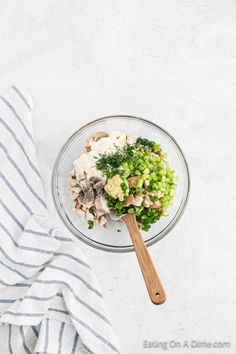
[{"x": 110, "y": 239}]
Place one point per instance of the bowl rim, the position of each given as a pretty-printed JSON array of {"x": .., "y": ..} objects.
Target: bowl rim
[{"x": 98, "y": 245}]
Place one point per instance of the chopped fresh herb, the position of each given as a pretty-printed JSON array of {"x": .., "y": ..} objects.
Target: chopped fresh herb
[
  {"x": 90, "y": 224},
  {"x": 148, "y": 145},
  {"x": 133, "y": 191},
  {"x": 118, "y": 230},
  {"x": 119, "y": 204},
  {"x": 154, "y": 198},
  {"x": 124, "y": 187},
  {"x": 111, "y": 164},
  {"x": 77, "y": 185},
  {"x": 91, "y": 210},
  {"x": 148, "y": 217},
  {"x": 145, "y": 142},
  {"x": 73, "y": 177}
]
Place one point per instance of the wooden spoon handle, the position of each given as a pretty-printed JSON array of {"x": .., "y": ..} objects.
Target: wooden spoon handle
[{"x": 151, "y": 278}]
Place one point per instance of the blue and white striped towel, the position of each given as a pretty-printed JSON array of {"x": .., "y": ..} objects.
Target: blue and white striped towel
[{"x": 50, "y": 302}]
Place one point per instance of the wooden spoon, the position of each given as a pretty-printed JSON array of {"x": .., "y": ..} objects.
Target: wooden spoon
[{"x": 151, "y": 278}]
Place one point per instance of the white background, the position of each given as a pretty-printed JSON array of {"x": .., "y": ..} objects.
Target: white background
[{"x": 173, "y": 62}]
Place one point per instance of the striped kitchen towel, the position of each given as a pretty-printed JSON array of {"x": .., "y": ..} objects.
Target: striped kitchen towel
[{"x": 50, "y": 301}]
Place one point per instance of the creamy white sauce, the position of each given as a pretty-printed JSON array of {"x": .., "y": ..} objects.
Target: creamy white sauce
[
  {"x": 86, "y": 162},
  {"x": 131, "y": 139}
]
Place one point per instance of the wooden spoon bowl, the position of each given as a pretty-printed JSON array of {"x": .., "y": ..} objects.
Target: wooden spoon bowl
[{"x": 151, "y": 278}]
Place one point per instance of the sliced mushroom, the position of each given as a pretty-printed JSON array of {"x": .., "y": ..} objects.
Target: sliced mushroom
[
  {"x": 133, "y": 181},
  {"x": 99, "y": 186},
  {"x": 103, "y": 221},
  {"x": 89, "y": 198},
  {"x": 158, "y": 194},
  {"x": 129, "y": 200},
  {"x": 98, "y": 135},
  {"x": 84, "y": 184},
  {"x": 87, "y": 147},
  {"x": 147, "y": 201},
  {"x": 98, "y": 214},
  {"x": 138, "y": 200},
  {"x": 93, "y": 180},
  {"x": 80, "y": 197},
  {"x": 156, "y": 205}
]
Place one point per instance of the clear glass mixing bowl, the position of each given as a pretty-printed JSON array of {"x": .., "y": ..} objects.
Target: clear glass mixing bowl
[{"x": 109, "y": 239}]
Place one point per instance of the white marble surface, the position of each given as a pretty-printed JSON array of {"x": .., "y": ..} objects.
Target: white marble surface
[{"x": 173, "y": 62}]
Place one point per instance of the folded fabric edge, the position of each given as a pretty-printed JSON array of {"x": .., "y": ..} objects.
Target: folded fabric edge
[{"x": 23, "y": 94}]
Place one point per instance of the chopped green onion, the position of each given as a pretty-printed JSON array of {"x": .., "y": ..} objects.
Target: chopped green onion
[{"x": 90, "y": 224}]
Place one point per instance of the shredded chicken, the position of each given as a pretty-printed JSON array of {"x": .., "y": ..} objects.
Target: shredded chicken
[
  {"x": 89, "y": 196},
  {"x": 101, "y": 205},
  {"x": 72, "y": 182}
]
